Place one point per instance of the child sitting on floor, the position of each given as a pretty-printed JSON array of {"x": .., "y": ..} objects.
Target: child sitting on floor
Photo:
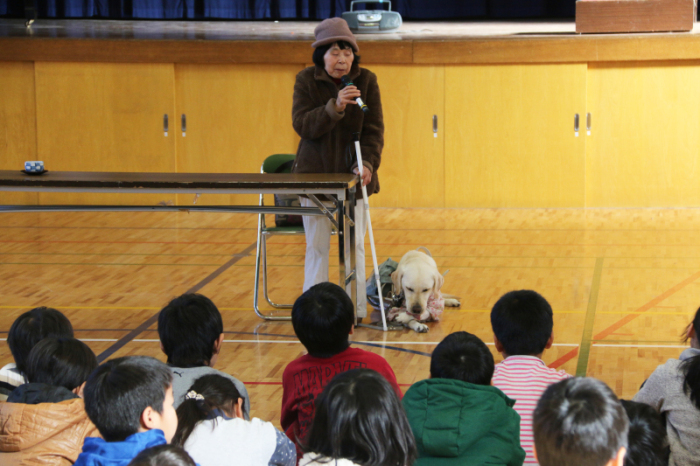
[
  {"x": 457, "y": 417},
  {"x": 191, "y": 333},
  {"x": 522, "y": 327},
  {"x": 359, "y": 421},
  {"x": 26, "y": 331},
  {"x": 323, "y": 319},
  {"x": 44, "y": 420},
  {"x": 130, "y": 400},
  {"x": 212, "y": 430}
]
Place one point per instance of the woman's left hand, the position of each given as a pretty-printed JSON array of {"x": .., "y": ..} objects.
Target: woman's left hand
[{"x": 366, "y": 175}]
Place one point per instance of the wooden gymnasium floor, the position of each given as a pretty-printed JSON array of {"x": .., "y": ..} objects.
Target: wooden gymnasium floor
[{"x": 622, "y": 283}]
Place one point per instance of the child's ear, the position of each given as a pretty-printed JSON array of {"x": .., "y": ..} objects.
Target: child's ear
[
  {"x": 497, "y": 344},
  {"x": 148, "y": 419},
  {"x": 691, "y": 331},
  {"x": 619, "y": 459},
  {"x": 534, "y": 452},
  {"x": 550, "y": 342},
  {"x": 218, "y": 343},
  {"x": 163, "y": 349},
  {"x": 239, "y": 408},
  {"x": 79, "y": 390}
]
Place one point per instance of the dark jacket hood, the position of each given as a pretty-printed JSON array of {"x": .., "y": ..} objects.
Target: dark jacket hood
[{"x": 35, "y": 393}]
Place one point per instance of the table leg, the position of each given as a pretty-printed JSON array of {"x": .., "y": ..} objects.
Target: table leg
[{"x": 350, "y": 280}]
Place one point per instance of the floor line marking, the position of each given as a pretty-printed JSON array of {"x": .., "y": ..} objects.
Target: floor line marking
[
  {"x": 150, "y": 321},
  {"x": 585, "y": 348}
]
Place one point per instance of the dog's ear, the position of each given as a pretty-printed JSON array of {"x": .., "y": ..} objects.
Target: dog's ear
[
  {"x": 396, "y": 277},
  {"x": 439, "y": 281}
]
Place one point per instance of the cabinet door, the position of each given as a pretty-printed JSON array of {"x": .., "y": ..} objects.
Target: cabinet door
[
  {"x": 510, "y": 138},
  {"x": 236, "y": 116},
  {"x": 105, "y": 117},
  {"x": 17, "y": 124},
  {"x": 644, "y": 148},
  {"x": 412, "y": 173}
]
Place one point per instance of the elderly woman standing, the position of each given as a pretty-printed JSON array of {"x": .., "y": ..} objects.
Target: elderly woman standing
[{"x": 325, "y": 114}]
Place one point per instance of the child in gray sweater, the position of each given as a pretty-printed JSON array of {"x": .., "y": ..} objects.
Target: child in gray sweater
[
  {"x": 673, "y": 389},
  {"x": 191, "y": 332}
]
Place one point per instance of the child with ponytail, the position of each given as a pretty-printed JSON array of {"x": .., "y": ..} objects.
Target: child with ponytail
[
  {"x": 212, "y": 429},
  {"x": 673, "y": 389}
]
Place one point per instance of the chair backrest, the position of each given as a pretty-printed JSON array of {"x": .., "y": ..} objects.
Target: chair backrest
[{"x": 274, "y": 163}]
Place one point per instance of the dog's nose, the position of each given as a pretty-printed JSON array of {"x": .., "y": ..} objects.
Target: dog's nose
[{"x": 417, "y": 309}]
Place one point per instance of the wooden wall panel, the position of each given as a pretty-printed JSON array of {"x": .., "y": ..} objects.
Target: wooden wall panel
[
  {"x": 17, "y": 124},
  {"x": 105, "y": 117},
  {"x": 510, "y": 136},
  {"x": 237, "y": 115},
  {"x": 644, "y": 149},
  {"x": 413, "y": 170}
]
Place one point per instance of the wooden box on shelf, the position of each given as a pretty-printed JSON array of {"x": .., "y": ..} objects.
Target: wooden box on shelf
[{"x": 635, "y": 15}]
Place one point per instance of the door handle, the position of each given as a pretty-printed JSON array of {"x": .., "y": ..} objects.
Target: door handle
[
  {"x": 183, "y": 122},
  {"x": 165, "y": 125},
  {"x": 435, "y": 126},
  {"x": 576, "y": 124}
]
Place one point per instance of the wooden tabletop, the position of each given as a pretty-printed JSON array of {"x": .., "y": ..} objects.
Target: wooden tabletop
[{"x": 170, "y": 181}]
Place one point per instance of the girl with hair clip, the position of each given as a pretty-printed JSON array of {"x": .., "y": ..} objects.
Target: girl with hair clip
[
  {"x": 673, "y": 389},
  {"x": 360, "y": 421},
  {"x": 212, "y": 429}
]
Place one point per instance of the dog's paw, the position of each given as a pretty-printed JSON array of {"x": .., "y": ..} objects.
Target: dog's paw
[
  {"x": 451, "y": 302},
  {"x": 418, "y": 327}
]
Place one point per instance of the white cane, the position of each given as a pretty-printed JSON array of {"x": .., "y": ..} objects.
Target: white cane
[{"x": 360, "y": 167}]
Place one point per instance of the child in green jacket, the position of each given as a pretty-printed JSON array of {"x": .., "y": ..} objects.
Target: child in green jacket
[{"x": 457, "y": 417}]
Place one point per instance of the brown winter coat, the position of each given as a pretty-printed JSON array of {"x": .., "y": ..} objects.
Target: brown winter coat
[
  {"x": 326, "y": 144},
  {"x": 43, "y": 434}
]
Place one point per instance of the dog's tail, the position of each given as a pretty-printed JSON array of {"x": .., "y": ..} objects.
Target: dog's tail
[{"x": 427, "y": 251}]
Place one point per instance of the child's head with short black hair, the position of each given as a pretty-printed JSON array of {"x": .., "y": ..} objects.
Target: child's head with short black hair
[
  {"x": 323, "y": 319},
  {"x": 61, "y": 362},
  {"x": 462, "y": 356},
  {"x": 191, "y": 331},
  {"x": 522, "y": 323},
  {"x": 163, "y": 455},
  {"x": 580, "y": 421},
  {"x": 647, "y": 441},
  {"x": 32, "y": 327},
  {"x": 128, "y": 395}
]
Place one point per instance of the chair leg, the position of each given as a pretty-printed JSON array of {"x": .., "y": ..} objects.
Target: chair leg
[
  {"x": 256, "y": 289},
  {"x": 264, "y": 278}
]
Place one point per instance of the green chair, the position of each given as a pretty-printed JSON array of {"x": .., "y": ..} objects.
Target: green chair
[{"x": 272, "y": 164}]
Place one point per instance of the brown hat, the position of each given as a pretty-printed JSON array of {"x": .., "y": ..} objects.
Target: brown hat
[{"x": 332, "y": 30}]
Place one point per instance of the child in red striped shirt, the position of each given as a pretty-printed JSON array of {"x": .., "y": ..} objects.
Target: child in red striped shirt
[{"x": 522, "y": 327}]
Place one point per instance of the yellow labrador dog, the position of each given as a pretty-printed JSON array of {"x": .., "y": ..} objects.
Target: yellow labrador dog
[{"x": 419, "y": 279}]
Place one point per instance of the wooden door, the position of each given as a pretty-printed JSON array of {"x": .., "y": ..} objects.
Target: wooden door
[
  {"x": 105, "y": 117},
  {"x": 412, "y": 173},
  {"x": 644, "y": 148},
  {"x": 236, "y": 116},
  {"x": 510, "y": 138},
  {"x": 17, "y": 124}
]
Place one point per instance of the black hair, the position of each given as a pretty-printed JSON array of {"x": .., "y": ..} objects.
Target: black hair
[
  {"x": 462, "y": 356},
  {"x": 579, "y": 421},
  {"x": 188, "y": 327},
  {"x": 219, "y": 393},
  {"x": 322, "y": 318},
  {"x": 359, "y": 417},
  {"x": 163, "y": 455},
  {"x": 32, "y": 327},
  {"x": 691, "y": 368},
  {"x": 62, "y": 362},
  {"x": 321, "y": 50},
  {"x": 647, "y": 442},
  {"x": 522, "y": 322},
  {"x": 118, "y": 391}
]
